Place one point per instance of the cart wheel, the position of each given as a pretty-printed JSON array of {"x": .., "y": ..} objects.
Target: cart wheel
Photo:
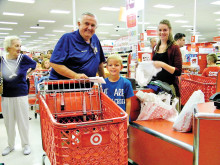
[
  {"x": 43, "y": 159},
  {"x": 35, "y": 115}
]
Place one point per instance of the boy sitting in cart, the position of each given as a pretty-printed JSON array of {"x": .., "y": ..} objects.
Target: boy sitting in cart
[{"x": 119, "y": 89}]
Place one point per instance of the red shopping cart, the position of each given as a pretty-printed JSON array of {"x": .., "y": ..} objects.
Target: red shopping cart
[
  {"x": 191, "y": 83},
  {"x": 81, "y": 125},
  {"x": 33, "y": 96}
]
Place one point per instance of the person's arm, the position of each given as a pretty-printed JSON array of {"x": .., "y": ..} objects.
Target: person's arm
[
  {"x": 128, "y": 107},
  {"x": 29, "y": 72},
  {"x": 168, "y": 68},
  {"x": 64, "y": 71},
  {"x": 101, "y": 70},
  {"x": 176, "y": 58}
]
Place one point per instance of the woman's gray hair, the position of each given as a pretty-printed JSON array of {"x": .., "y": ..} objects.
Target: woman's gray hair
[
  {"x": 89, "y": 14},
  {"x": 8, "y": 40}
]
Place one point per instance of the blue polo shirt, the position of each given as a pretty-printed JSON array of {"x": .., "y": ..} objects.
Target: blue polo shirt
[{"x": 77, "y": 55}]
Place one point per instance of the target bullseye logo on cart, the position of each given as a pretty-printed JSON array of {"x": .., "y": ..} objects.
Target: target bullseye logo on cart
[{"x": 96, "y": 139}]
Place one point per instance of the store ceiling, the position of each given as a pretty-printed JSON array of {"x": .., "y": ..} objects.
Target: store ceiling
[{"x": 206, "y": 22}]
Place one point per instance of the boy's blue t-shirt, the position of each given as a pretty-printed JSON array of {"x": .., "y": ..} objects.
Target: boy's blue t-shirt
[
  {"x": 118, "y": 91},
  {"x": 77, "y": 55}
]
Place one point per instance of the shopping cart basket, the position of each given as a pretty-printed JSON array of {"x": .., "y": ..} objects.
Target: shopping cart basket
[
  {"x": 191, "y": 83},
  {"x": 33, "y": 96},
  {"x": 81, "y": 125}
]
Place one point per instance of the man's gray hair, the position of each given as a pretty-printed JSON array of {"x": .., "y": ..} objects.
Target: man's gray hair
[
  {"x": 8, "y": 41},
  {"x": 89, "y": 14}
]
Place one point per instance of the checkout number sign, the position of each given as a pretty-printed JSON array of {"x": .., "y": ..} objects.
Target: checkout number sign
[{"x": 95, "y": 139}]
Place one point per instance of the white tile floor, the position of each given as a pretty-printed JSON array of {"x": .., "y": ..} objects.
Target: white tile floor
[{"x": 16, "y": 157}]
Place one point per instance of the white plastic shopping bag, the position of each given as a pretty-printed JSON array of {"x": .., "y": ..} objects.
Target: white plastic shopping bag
[
  {"x": 156, "y": 107},
  {"x": 145, "y": 71},
  {"x": 183, "y": 122}
]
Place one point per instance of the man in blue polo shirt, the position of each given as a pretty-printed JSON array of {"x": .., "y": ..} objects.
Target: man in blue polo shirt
[{"x": 78, "y": 55}]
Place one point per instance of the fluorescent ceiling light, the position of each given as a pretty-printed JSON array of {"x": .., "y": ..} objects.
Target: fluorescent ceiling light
[
  {"x": 37, "y": 40},
  {"x": 105, "y": 24},
  {"x": 6, "y": 29},
  {"x": 4, "y": 33},
  {"x": 37, "y": 27},
  {"x": 10, "y": 23},
  {"x": 163, "y": 6},
  {"x": 47, "y": 21},
  {"x": 187, "y": 26},
  {"x": 30, "y": 32},
  {"x": 189, "y": 30},
  {"x": 174, "y": 15},
  {"x": 103, "y": 32},
  {"x": 218, "y": 12},
  {"x": 59, "y": 31},
  {"x": 23, "y": 1},
  {"x": 25, "y": 36},
  {"x": 215, "y": 3},
  {"x": 43, "y": 38},
  {"x": 33, "y": 42},
  {"x": 13, "y": 14},
  {"x": 115, "y": 35},
  {"x": 181, "y": 21},
  {"x": 217, "y": 19},
  {"x": 218, "y": 25},
  {"x": 109, "y": 9},
  {"x": 50, "y": 35},
  {"x": 71, "y": 26},
  {"x": 60, "y": 11}
]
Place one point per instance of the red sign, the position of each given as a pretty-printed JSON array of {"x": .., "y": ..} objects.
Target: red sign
[
  {"x": 142, "y": 44},
  {"x": 216, "y": 38},
  {"x": 95, "y": 139},
  {"x": 142, "y": 36},
  {"x": 131, "y": 20},
  {"x": 193, "y": 39},
  {"x": 151, "y": 32}
]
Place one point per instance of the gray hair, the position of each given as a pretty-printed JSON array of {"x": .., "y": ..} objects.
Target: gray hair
[
  {"x": 8, "y": 41},
  {"x": 89, "y": 14}
]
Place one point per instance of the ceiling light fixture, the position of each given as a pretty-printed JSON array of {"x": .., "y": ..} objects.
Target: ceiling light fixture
[
  {"x": 59, "y": 31},
  {"x": 60, "y": 11},
  {"x": 218, "y": 12},
  {"x": 174, "y": 15},
  {"x": 163, "y": 6},
  {"x": 4, "y": 33},
  {"x": 51, "y": 35},
  {"x": 25, "y": 36},
  {"x": 37, "y": 27},
  {"x": 187, "y": 26},
  {"x": 30, "y": 32},
  {"x": 10, "y": 23},
  {"x": 47, "y": 21},
  {"x": 215, "y": 3},
  {"x": 13, "y": 14},
  {"x": 71, "y": 26},
  {"x": 109, "y": 9},
  {"x": 23, "y": 1},
  {"x": 103, "y": 32},
  {"x": 6, "y": 29}
]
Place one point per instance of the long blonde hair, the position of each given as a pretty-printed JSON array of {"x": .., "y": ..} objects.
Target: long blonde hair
[{"x": 170, "y": 40}]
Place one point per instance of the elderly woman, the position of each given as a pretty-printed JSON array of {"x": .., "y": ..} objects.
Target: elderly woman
[{"x": 15, "y": 93}]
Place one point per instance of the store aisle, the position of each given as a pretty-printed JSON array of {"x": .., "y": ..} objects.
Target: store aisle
[{"x": 17, "y": 157}]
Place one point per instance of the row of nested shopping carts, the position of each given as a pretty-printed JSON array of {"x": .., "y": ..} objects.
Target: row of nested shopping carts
[{"x": 80, "y": 125}]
